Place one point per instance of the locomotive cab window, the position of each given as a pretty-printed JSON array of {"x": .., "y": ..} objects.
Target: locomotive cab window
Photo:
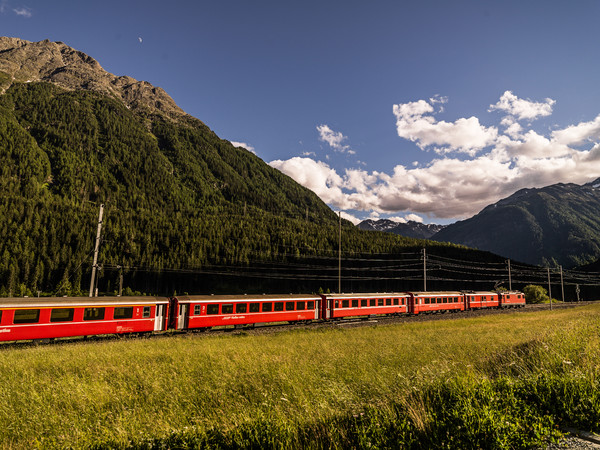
[
  {"x": 123, "y": 312},
  {"x": 61, "y": 315},
  {"x": 212, "y": 309},
  {"x": 26, "y": 316},
  {"x": 93, "y": 314}
]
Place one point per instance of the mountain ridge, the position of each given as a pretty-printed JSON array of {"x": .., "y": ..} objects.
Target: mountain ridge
[
  {"x": 410, "y": 228},
  {"x": 57, "y": 63},
  {"x": 553, "y": 225}
]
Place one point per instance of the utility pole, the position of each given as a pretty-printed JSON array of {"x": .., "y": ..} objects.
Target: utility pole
[
  {"x": 340, "y": 257},
  {"x": 120, "y": 280},
  {"x": 96, "y": 249},
  {"x": 562, "y": 284},
  {"x": 549, "y": 288},
  {"x": 509, "y": 276},
  {"x": 424, "y": 270}
]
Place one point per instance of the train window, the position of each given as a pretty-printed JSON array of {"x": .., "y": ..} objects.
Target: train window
[
  {"x": 345, "y": 303},
  {"x": 363, "y": 303},
  {"x": 445, "y": 299},
  {"x": 427, "y": 301},
  {"x": 388, "y": 301},
  {"x": 395, "y": 302},
  {"x": 212, "y": 309},
  {"x": 241, "y": 308},
  {"x": 300, "y": 306},
  {"x": 197, "y": 309},
  {"x": 61, "y": 315},
  {"x": 289, "y": 306},
  {"x": 355, "y": 303},
  {"x": 380, "y": 302},
  {"x": 0, "y": 315},
  {"x": 372, "y": 302},
  {"x": 93, "y": 314},
  {"x": 147, "y": 310},
  {"x": 26, "y": 316},
  {"x": 226, "y": 309},
  {"x": 310, "y": 305},
  {"x": 267, "y": 307},
  {"x": 254, "y": 307},
  {"x": 123, "y": 312},
  {"x": 278, "y": 306}
]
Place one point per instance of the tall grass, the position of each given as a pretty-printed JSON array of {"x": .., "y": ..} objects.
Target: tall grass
[{"x": 503, "y": 381}]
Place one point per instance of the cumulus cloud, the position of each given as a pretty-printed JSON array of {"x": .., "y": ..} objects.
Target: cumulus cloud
[
  {"x": 334, "y": 139},
  {"x": 454, "y": 187},
  {"x": 578, "y": 134},
  {"x": 523, "y": 109},
  {"x": 415, "y": 122},
  {"x": 243, "y": 145}
]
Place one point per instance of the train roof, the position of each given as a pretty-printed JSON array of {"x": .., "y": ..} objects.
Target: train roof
[
  {"x": 45, "y": 302},
  {"x": 435, "y": 293},
  {"x": 245, "y": 297},
  {"x": 368, "y": 295}
]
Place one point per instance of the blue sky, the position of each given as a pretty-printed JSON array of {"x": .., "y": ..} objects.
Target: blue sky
[{"x": 426, "y": 110}]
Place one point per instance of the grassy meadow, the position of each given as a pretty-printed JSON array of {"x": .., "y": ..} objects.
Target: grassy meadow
[{"x": 500, "y": 381}]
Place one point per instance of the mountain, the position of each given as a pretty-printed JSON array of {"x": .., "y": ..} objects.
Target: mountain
[
  {"x": 558, "y": 224},
  {"x": 185, "y": 209},
  {"x": 410, "y": 229}
]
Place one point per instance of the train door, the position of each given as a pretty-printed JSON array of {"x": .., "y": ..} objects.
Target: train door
[
  {"x": 159, "y": 318},
  {"x": 173, "y": 310},
  {"x": 183, "y": 314},
  {"x": 325, "y": 308},
  {"x": 317, "y": 308}
]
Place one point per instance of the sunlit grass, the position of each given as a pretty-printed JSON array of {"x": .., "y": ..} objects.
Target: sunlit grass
[{"x": 503, "y": 380}]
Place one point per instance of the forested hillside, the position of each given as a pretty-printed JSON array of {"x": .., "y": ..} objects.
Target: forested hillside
[
  {"x": 176, "y": 196},
  {"x": 554, "y": 225}
]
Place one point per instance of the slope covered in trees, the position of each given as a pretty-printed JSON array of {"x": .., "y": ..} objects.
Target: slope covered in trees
[{"x": 176, "y": 196}]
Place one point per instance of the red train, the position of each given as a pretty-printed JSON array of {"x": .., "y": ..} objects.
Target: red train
[{"x": 50, "y": 318}]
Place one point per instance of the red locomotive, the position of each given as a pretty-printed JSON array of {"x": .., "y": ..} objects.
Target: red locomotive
[{"x": 50, "y": 318}]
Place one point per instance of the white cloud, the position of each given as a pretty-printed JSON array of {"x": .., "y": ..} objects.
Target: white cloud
[
  {"x": 463, "y": 135},
  {"x": 23, "y": 11},
  {"x": 578, "y": 134},
  {"x": 451, "y": 187},
  {"x": 244, "y": 145},
  {"x": 523, "y": 109},
  {"x": 334, "y": 139}
]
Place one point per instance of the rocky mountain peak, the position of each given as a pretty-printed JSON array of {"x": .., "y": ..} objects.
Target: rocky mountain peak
[{"x": 57, "y": 63}]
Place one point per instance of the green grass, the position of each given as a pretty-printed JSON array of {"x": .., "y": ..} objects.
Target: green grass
[{"x": 502, "y": 381}]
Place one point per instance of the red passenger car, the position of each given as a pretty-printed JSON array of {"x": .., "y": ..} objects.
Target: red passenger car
[
  {"x": 48, "y": 318},
  {"x": 480, "y": 300},
  {"x": 206, "y": 311},
  {"x": 337, "y": 306},
  {"x": 430, "y": 302}
]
